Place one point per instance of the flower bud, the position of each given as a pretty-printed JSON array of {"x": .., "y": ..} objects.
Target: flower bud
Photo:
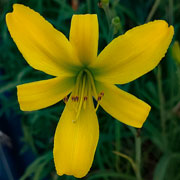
[
  {"x": 105, "y": 2},
  {"x": 116, "y": 24},
  {"x": 176, "y": 51}
]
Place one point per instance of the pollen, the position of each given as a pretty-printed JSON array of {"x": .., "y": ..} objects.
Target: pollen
[
  {"x": 99, "y": 99},
  {"x": 76, "y": 98},
  {"x": 102, "y": 93},
  {"x": 73, "y": 98},
  {"x": 85, "y": 98},
  {"x": 65, "y": 99},
  {"x": 100, "y": 96}
]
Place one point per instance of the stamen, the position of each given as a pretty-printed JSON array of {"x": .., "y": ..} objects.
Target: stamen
[
  {"x": 102, "y": 93},
  {"x": 92, "y": 82},
  {"x": 77, "y": 86},
  {"x": 81, "y": 97},
  {"x": 76, "y": 98},
  {"x": 73, "y": 98},
  {"x": 85, "y": 101},
  {"x": 84, "y": 89},
  {"x": 97, "y": 106},
  {"x": 99, "y": 99},
  {"x": 65, "y": 99},
  {"x": 85, "y": 98}
]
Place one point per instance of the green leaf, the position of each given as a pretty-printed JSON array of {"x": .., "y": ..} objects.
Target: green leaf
[
  {"x": 37, "y": 166},
  {"x": 162, "y": 166}
]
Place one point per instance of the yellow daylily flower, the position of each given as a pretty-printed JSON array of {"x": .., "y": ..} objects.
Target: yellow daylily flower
[{"x": 81, "y": 73}]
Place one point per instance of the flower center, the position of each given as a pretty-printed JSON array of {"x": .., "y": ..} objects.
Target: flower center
[{"x": 83, "y": 91}]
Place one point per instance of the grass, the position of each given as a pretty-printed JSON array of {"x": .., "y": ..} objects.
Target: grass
[{"x": 123, "y": 152}]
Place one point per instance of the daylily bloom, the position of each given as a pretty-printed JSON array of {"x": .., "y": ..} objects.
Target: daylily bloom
[{"x": 81, "y": 73}]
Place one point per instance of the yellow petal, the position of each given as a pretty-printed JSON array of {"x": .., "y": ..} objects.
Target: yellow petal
[
  {"x": 75, "y": 142},
  {"x": 41, "y": 94},
  {"x": 133, "y": 54},
  {"x": 122, "y": 105},
  {"x": 84, "y": 37},
  {"x": 43, "y": 47}
]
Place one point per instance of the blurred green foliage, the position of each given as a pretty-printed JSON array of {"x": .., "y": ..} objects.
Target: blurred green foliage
[{"x": 156, "y": 149}]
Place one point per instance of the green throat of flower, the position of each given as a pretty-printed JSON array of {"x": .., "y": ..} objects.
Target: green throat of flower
[{"x": 83, "y": 91}]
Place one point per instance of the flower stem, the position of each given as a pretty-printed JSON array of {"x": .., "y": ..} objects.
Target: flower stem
[
  {"x": 128, "y": 158},
  {"x": 89, "y": 6},
  {"x": 171, "y": 5},
  {"x": 136, "y": 164},
  {"x": 161, "y": 101},
  {"x": 178, "y": 76},
  {"x": 105, "y": 6},
  {"x": 153, "y": 10},
  {"x": 138, "y": 157},
  {"x": 109, "y": 19},
  {"x": 137, "y": 138},
  {"x": 118, "y": 142}
]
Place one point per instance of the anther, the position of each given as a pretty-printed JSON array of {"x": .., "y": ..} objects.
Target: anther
[
  {"x": 102, "y": 93},
  {"x": 65, "y": 99},
  {"x": 99, "y": 98},
  {"x": 85, "y": 98},
  {"x": 76, "y": 98}
]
